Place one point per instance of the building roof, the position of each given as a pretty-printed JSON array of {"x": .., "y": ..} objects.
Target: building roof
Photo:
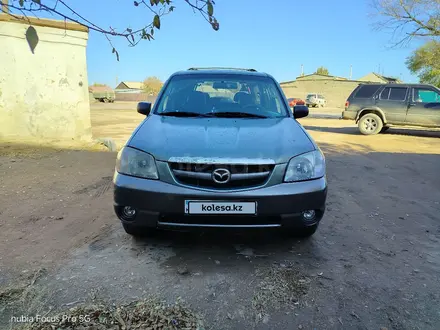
[
  {"x": 35, "y": 21},
  {"x": 385, "y": 79},
  {"x": 310, "y": 77},
  {"x": 98, "y": 89},
  {"x": 129, "y": 85},
  {"x": 321, "y": 75}
]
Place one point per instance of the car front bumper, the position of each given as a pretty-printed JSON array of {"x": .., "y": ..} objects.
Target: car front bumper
[{"x": 160, "y": 204}]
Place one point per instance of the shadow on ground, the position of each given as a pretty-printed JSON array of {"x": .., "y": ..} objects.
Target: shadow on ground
[{"x": 390, "y": 131}]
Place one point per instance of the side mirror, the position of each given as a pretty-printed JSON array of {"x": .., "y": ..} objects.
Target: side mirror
[
  {"x": 144, "y": 108},
  {"x": 300, "y": 111}
]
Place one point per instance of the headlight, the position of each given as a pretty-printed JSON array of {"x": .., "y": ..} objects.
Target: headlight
[
  {"x": 136, "y": 163},
  {"x": 306, "y": 167}
]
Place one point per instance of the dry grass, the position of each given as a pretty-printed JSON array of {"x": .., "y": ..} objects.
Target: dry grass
[
  {"x": 281, "y": 286},
  {"x": 146, "y": 314},
  {"x": 21, "y": 292}
]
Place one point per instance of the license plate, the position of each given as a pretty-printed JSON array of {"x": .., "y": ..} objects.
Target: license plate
[{"x": 215, "y": 207}]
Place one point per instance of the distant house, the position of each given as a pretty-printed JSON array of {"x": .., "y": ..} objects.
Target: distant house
[
  {"x": 129, "y": 87},
  {"x": 377, "y": 78}
]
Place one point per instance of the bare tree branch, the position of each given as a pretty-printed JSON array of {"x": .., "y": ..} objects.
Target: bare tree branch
[
  {"x": 158, "y": 8},
  {"x": 409, "y": 19}
]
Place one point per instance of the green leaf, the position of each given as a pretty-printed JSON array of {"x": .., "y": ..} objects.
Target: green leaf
[
  {"x": 210, "y": 8},
  {"x": 156, "y": 22},
  {"x": 136, "y": 3},
  {"x": 171, "y": 8},
  {"x": 21, "y": 2},
  {"x": 114, "y": 51},
  {"x": 152, "y": 32},
  {"x": 152, "y": 2},
  {"x": 32, "y": 38},
  {"x": 144, "y": 34},
  {"x": 162, "y": 1}
]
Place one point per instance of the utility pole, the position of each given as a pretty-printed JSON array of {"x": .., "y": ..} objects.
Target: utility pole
[
  {"x": 351, "y": 71},
  {"x": 5, "y": 7},
  {"x": 302, "y": 70}
]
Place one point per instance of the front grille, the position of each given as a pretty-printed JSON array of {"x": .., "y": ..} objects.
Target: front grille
[{"x": 241, "y": 176}]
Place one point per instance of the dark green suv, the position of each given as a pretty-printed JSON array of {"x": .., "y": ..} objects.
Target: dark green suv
[{"x": 375, "y": 107}]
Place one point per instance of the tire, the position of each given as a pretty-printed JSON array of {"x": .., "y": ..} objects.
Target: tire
[
  {"x": 370, "y": 124},
  {"x": 137, "y": 231},
  {"x": 384, "y": 129},
  {"x": 304, "y": 232}
]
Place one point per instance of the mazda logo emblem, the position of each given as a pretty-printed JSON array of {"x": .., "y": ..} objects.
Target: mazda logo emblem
[{"x": 221, "y": 175}]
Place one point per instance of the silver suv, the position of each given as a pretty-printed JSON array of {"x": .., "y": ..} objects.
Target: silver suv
[
  {"x": 315, "y": 100},
  {"x": 220, "y": 148}
]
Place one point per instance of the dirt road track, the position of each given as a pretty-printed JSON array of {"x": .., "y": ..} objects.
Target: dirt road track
[{"x": 374, "y": 262}]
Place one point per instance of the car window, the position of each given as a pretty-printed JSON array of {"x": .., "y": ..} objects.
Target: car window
[
  {"x": 425, "y": 95},
  {"x": 394, "y": 93},
  {"x": 223, "y": 93},
  {"x": 366, "y": 91},
  {"x": 384, "y": 95}
]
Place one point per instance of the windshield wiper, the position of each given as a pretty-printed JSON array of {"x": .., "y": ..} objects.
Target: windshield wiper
[
  {"x": 181, "y": 114},
  {"x": 231, "y": 114}
]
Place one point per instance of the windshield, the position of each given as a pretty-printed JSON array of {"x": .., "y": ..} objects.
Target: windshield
[{"x": 239, "y": 95}]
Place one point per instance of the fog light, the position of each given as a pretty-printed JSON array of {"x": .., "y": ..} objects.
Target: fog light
[
  {"x": 309, "y": 215},
  {"x": 128, "y": 212}
]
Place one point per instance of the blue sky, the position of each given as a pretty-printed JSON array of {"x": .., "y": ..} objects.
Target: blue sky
[{"x": 276, "y": 38}]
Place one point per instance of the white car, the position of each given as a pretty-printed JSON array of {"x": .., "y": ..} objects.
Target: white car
[{"x": 315, "y": 100}]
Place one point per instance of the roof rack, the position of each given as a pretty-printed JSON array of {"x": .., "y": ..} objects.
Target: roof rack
[{"x": 222, "y": 68}]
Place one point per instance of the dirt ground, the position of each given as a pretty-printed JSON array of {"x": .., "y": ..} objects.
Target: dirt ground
[{"x": 374, "y": 262}]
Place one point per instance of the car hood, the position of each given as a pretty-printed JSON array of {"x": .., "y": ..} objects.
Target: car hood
[{"x": 232, "y": 140}]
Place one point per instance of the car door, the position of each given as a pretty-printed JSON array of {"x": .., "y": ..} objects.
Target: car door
[
  {"x": 393, "y": 101},
  {"x": 424, "y": 107}
]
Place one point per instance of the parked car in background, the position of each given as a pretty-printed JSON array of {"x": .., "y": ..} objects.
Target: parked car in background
[
  {"x": 295, "y": 101},
  {"x": 315, "y": 100},
  {"x": 375, "y": 107},
  {"x": 215, "y": 164}
]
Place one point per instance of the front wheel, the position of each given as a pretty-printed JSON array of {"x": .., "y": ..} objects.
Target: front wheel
[{"x": 370, "y": 124}]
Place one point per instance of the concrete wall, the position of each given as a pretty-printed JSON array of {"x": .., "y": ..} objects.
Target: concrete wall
[
  {"x": 43, "y": 94},
  {"x": 336, "y": 92}
]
